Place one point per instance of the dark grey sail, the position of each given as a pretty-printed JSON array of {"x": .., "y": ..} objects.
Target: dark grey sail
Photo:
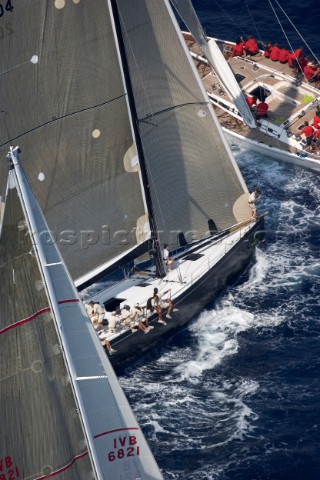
[
  {"x": 64, "y": 102},
  {"x": 65, "y": 99},
  {"x": 63, "y": 413},
  {"x": 193, "y": 178}
]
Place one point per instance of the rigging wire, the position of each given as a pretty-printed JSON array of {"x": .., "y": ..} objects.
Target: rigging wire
[
  {"x": 297, "y": 31},
  {"x": 230, "y": 19},
  {"x": 253, "y": 22},
  {"x": 281, "y": 27},
  {"x": 285, "y": 35}
]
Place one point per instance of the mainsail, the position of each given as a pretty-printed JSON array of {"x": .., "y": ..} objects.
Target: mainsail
[
  {"x": 215, "y": 58},
  {"x": 63, "y": 412},
  {"x": 63, "y": 100}
]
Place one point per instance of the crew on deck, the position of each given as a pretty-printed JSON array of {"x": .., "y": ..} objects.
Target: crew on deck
[
  {"x": 251, "y": 101},
  {"x": 308, "y": 131},
  {"x": 114, "y": 320},
  {"x": 311, "y": 72},
  {"x": 237, "y": 49},
  {"x": 262, "y": 110},
  {"x": 317, "y": 137},
  {"x": 98, "y": 326},
  {"x": 158, "y": 304},
  {"x": 253, "y": 197},
  {"x": 316, "y": 118},
  {"x": 100, "y": 311},
  {"x": 283, "y": 55},
  {"x": 126, "y": 318},
  {"x": 167, "y": 258},
  {"x": 250, "y": 47},
  {"x": 139, "y": 317},
  {"x": 293, "y": 59},
  {"x": 96, "y": 311},
  {"x": 274, "y": 52},
  {"x": 266, "y": 52},
  {"x": 303, "y": 62}
]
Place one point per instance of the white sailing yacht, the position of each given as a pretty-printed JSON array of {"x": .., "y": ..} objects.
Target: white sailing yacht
[
  {"x": 292, "y": 100},
  {"x": 123, "y": 152}
]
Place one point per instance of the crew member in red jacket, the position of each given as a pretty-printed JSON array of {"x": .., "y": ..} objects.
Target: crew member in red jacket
[
  {"x": 267, "y": 50},
  {"x": 293, "y": 59},
  {"x": 237, "y": 49},
  {"x": 251, "y": 101},
  {"x": 274, "y": 53},
  {"x": 311, "y": 72},
  {"x": 303, "y": 61},
  {"x": 283, "y": 55},
  {"x": 308, "y": 131},
  {"x": 250, "y": 47},
  {"x": 262, "y": 109},
  {"x": 316, "y": 119},
  {"x": 317, "y": 135}
]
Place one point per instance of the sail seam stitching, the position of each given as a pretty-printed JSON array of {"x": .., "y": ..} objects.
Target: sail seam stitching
[
  {"x": 151, "y": 115},
  {"x": 63, "y": 469},
  {"x": 19, "y": 323},
  {"x": 77, "y": 457},
  {"x": 49, "y": 122},
  {"x": 113, "y": 431}
]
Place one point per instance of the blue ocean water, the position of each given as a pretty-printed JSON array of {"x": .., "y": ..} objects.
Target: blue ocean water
[{"x": 236, "y": 395}]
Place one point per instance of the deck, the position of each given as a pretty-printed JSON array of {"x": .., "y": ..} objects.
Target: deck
[
  {"x": 187, "y": 271},
  {"x": 288, "y": 100}
]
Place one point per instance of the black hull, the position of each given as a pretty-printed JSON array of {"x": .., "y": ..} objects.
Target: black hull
[{"x": 132, "y": 346}]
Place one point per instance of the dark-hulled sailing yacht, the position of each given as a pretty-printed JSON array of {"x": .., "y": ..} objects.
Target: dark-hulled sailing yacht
[{"x": 123, "y": 152}]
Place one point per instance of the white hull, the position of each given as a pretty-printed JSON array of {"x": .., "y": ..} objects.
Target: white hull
[
  {"x": 236, "y": 140},
  {"x": 291, "y": 101}
]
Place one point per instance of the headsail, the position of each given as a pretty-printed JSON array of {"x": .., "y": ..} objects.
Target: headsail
[
  {"x": 215, "y": 58},
  {"x": 63, "y": 413},
  {"x": 194, "y": 180}
]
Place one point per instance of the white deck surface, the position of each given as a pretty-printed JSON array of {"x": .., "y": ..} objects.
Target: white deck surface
[{"x": 183, "y": 275}]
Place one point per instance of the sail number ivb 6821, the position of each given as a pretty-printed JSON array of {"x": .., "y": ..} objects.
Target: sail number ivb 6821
[
  {"x": 124, "y": 447},
  {"x": 8, "y": 471}
]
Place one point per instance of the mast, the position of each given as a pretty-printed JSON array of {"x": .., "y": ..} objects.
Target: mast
[{"x": 160, "y": 271}]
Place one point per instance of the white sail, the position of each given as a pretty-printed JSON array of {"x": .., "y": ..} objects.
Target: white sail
[
  {"x": 215, "y": 58},
  {"x": 62, "y": 408}
]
